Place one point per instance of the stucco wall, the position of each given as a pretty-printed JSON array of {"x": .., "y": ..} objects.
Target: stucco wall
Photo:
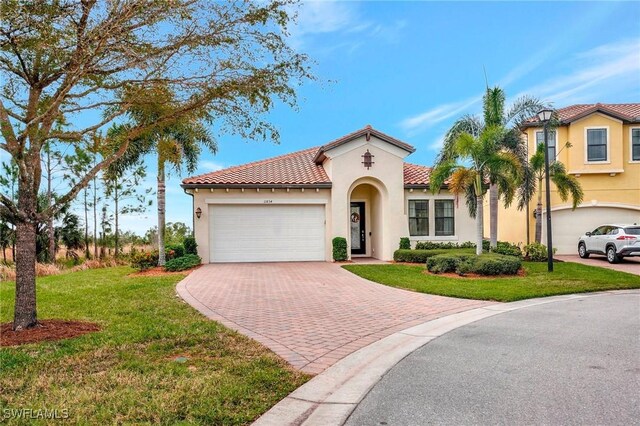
[
  {"x": 204, "y": 197},
  {"x": 386, "y": 176},
  {"x": 615, "y": 183}
]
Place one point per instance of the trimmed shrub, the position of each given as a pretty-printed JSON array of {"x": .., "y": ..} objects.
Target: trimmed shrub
[
  {"x": 173, "y": 251},
  {"x": 405, "y": 244},
  {"x": 536, "y": 252},
  {"x": 496, "y": 265},
  {"x": 182, "y": 263},
  {"x": 421, "y": 256},
  {"x": 339, "y": 249},
  {"x": 447, "y": 262},
  {"x": 144, "y": 260},
  {"x": 190, "y": 246},
  {"x": 435, "y": 245},
  {"x": 468, "y": 244},
  {"x": 486, "y": 264},
  {"x": 508, "y": 249}
]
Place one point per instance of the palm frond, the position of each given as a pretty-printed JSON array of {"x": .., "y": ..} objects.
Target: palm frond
[
  {"x": 440, "y": 174},
  {"x": 470, "y": 124},
  {"x": 522, "y": 109},
  {"x": 461, "y": 179},
  {"x": 568, "y": 185},
  {"x": 493, "y": 106},
  {"x": 466, "y": 146}
]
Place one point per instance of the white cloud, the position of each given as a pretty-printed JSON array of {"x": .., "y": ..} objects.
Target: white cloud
[
  {"x": 437, "y": 114},
  {"x": 206, "y": 166},
  {"x": 595, "y": 74},
  {"x": 345, "y": 20}
]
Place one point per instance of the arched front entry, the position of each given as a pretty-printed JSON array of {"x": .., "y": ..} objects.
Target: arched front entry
[{"x": 367, "y": 205}]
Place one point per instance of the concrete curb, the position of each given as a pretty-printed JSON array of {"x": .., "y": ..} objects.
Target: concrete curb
[{"x": 330, "y": 397}]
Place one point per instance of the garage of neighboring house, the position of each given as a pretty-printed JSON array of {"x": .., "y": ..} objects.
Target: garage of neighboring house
[
  {"x": 267, "y": 232},
  {"x": 568, "y": 225}
]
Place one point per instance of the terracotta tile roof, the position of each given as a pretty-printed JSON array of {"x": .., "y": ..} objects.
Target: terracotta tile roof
[
  {"x": 365, "y": 131},
  {"x": 416, "y": 175},
  {"x": 629, "y": 113},
  {"x": 296, "y": 168}
]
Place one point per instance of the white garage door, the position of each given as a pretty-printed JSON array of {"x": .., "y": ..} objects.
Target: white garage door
[
  {"x": 267, "y": 233},
  {"x": 569, "y": 225}
]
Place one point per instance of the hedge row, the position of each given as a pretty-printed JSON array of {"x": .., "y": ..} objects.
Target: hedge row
[
  {"x": 421, "y": 256},
  {"x": 485, "y": 264}
]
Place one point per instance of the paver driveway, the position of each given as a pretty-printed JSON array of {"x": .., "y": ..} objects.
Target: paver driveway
[{"x": 311, "y": 314}]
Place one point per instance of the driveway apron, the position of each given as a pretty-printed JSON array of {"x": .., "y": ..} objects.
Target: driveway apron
[{"x": 312, "y": 314}]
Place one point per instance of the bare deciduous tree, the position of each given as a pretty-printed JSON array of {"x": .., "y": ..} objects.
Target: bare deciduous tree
[{"x": 73, "y": 67}]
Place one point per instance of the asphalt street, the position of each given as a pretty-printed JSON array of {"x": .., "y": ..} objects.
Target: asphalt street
[{"x": 569, "y": 362}]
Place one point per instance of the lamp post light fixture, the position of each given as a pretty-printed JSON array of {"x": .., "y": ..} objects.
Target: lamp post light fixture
[{"x": 545, "y": 116}]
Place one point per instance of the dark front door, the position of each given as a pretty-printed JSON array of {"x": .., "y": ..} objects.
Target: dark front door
[{"x": 358, "y": 233}]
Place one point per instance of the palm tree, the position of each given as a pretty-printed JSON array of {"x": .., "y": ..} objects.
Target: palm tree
[
  {"x": 176, "y": 145},
  {"x": 474, "y": 161},
  {"x": 567, "y": 185},
  {"x": 494, "y": 114}
]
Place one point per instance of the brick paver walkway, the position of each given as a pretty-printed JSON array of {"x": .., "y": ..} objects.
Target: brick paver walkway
[{"x": 311, "y": 314}]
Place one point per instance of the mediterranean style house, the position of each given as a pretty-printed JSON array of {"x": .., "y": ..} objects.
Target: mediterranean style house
[
  {"x": 289, "y": 208},
  {"x": 605, "y": 158}
]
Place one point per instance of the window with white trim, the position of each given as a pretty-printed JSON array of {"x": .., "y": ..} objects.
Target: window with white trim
[
  {"x": 635, "y": 144},
  {"x": 418, "y": 218},
  {"x": 596, "y": 144},
  {"x": 552, "y": 142},
  {"x": 445, "y": 220}
]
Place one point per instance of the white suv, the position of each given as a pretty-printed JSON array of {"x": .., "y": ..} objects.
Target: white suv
[{"x": 613, "y": 241}]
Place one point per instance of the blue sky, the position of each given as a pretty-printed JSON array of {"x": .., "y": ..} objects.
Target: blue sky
[{"x": 411, "y": 68}]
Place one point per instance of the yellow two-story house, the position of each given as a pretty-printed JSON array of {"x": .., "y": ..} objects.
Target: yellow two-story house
[{"x": 605, "y": 158}]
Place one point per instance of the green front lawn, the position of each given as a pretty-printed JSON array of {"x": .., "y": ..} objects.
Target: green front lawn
[
  {"x": 566, "y": 278},
  {"x": 128, "y": 373}
]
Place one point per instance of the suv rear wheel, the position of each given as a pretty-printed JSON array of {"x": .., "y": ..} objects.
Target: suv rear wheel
[
  {"x": 582, "y": 251},
  {"x": 612, "y": 256}
]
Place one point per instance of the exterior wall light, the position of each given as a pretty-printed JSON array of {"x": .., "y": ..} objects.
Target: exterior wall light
[
  {"x": 198, "y": 212},
  {"x": 368, "y": 159}
]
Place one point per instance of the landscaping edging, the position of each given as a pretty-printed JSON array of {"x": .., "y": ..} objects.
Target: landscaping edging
[{"x": 330, "y": 397}]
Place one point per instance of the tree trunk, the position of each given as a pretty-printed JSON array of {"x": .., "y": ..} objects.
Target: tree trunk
[
  {"x": 493, "y": 215},
  {"x": 115, "y": 199},
  {"x": 479, "y": 224},
  {"x": 25, "y": 307},
  {"x": 539, "y": 213},
  {"x": 95, "y": 219},
  {"x": 51, "y": 230},
  {"x": 87, "y": 252},
  {"x": 161, "y": 211}
]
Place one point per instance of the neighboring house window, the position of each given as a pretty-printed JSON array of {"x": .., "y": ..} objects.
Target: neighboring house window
[
  {"x": 444, "y": 218},
  {"x": 552, "y": 142},
  {"x": 635, "y": 145},
  {"x": 418, "y": 217},
  {"x": 596, "y": 144}
]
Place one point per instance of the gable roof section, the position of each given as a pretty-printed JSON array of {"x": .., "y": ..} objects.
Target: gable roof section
[
  {"x": 628, "y": 113},
  {"x": 295, "y": 169},
  {"x": 367, "y": 132}
]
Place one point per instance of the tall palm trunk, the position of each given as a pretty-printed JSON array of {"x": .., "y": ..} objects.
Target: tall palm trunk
[
  {"x": 51, "y": 230},
  {"x": 95, "y": 219},
  {"x": 539, "y": 213},
  {"x": 117, "y": 232},
  {"x": 25, "y": 308},
  {"x": 493, "y": 215},
  {"x": 161, "y": 210},
  {"x": 479, "y": 224},
  {"x": 87, "y": 252}
]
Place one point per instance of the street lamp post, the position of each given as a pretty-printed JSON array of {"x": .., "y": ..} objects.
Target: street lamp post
[{"x": 545, "y": 116}]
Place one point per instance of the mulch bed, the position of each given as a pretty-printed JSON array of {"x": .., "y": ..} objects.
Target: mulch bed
[
  {"x": 46, "y": 330},
  {"x": 521, "y": 273},
  {"x": 159, "y": 271}
]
